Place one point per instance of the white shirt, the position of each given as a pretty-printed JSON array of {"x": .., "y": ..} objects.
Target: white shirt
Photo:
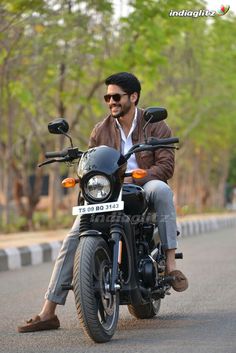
[{"x": 127, "y": 143}]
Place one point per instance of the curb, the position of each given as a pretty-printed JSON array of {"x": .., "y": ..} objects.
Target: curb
[
  {"x": 206, "y": 225},
  {"x": 14, "y": 258},
  {"x": 17, "y": 257}
]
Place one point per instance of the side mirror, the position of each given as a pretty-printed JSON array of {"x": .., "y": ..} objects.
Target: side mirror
[
  {"x": 58, "y": 126},
  {"x": 155, "y": 114}
]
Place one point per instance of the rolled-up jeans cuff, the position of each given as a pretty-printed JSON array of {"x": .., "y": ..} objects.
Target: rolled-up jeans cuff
[
  {"x": 170, "y": 245},
  {"x": 56, "y": 299}
]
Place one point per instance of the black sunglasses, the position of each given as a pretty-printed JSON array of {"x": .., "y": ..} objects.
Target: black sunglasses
[{"x": 116, "y": 97}]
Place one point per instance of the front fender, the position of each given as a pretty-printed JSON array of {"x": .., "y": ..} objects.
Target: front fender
[{"x": 90, "y": 233}]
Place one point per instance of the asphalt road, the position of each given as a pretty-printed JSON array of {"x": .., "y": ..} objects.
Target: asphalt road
[{"x": 202, "y": 319}]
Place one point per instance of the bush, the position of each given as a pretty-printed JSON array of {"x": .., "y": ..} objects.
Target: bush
[
  {"x": 17, "y": 224},
  {"x": 41, "y": 221}
]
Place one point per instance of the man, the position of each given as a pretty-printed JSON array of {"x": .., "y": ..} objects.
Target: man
[{"x": 120, "y": 130}]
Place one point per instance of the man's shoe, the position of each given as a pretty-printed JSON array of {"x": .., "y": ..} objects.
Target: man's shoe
[
  {"x": 36, "y": 324},
  {"x": 180, "y": 283}
]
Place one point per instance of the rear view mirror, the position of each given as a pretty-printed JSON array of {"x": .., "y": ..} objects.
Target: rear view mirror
[
  {"x": 58, "y": 126},
  {"x": 155, "y": 114}
]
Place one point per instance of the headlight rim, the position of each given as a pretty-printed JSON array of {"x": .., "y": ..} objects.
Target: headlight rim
[{"x": 85, "y": 181}]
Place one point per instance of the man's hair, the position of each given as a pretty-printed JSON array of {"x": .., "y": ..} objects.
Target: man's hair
[{"x": 127, "y": 81}]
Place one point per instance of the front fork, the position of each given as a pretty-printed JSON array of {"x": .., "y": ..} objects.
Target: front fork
[{"x": 115, "y": 239}]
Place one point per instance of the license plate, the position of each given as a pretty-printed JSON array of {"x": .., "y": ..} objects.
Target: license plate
[{"x": 98, "y": 208}]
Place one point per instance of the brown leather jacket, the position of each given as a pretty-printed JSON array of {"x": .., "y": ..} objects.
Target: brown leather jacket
[{"x": 159, "y": 164}]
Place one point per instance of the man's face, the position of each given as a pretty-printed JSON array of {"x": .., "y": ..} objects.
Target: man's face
[{"x": 124, "y": 103}]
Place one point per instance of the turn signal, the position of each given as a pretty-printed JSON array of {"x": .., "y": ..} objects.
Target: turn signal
[
  {"x": 139, "y": 173},
  {"x": 69, "y": 182}
]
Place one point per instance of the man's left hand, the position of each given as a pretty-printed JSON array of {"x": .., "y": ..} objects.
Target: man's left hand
[{"x": 129, "y": 180}]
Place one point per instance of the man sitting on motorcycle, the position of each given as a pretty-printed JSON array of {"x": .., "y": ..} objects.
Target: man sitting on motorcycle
[{"x": 120, "y": 130}]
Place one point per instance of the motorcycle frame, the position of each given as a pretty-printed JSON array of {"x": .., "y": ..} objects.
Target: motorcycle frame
[{"x": 130, "y": 291}]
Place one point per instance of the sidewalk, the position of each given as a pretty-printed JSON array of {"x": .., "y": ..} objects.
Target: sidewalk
[
  {"x": 29, "y": 238},
  {"x": 31, "y": 248}
]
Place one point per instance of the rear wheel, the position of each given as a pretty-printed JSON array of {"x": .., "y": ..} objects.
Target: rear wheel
[
  {"x": 145, "y": 311},
  {"x": 97, "y": 308}
]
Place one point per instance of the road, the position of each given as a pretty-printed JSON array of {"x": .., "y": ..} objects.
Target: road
[{"x": 202, "y": 319}]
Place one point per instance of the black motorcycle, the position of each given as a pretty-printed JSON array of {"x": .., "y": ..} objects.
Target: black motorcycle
[{"x": 119, "y": 259}]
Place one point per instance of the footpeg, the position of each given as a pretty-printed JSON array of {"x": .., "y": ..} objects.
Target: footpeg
[
  {"x": 168, "y": 279},
  {"x": 179, "y": 255},
  {"x": 66, "y": 286}
]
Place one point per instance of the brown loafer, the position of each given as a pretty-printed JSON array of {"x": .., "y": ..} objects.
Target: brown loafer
[
  {"x": 180, "y": 283},
  {"x": 36, "y": 324}
]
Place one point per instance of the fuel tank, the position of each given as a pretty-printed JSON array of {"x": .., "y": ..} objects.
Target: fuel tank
[{"x": 134, "y": 199}]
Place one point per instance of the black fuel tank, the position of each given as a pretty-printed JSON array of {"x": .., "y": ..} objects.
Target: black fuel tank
[{"x": 134, "y": 199}]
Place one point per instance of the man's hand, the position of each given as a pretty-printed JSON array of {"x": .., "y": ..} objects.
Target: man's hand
[{"x": 129, "y": 180}]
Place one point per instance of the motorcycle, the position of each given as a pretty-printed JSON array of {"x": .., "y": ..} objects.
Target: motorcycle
[{"x": 119, "y": 259}]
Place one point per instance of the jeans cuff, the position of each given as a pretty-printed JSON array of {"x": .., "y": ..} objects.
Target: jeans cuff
[{"x": 60, "y": 300}]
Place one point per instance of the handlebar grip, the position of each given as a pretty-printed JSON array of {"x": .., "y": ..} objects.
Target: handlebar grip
[
  {"x": 170, "y": 140},
  {"x": 165, "y": 141},
  {"x": 56, "y": 154}
]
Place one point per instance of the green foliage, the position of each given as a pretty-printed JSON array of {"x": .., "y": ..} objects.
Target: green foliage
[
  {"x": 41, "y": 221},
  {"x": 16, "y": 224},
  {"x": 20, "y": 6},
  {"x": 232, "y": 171},
  {"x": 56, "y": 54}
]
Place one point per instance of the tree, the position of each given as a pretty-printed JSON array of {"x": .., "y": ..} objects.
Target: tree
[{"x": 50, "y": 67}]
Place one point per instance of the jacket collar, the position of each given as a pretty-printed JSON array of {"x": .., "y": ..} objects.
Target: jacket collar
[
  {"x": 137, "y": 133},
  {"x": 138, "y": 130}
]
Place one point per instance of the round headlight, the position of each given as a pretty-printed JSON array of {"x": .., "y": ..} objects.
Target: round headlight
[{"x": 98, "y": 187}]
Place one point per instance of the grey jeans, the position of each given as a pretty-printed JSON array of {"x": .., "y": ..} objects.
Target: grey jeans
[{"x": 160, "y": 199}]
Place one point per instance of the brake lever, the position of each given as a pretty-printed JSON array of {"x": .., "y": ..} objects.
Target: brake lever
[{"x": 54, "y": 160}]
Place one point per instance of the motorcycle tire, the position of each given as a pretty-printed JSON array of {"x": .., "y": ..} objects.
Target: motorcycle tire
[
  {"x": 97, "y": 308},
  {"x": 145, "y": 311}
]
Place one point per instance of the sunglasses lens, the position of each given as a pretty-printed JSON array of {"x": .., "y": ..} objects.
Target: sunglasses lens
[
  {"x": 107, "y": 98},
  {"x": 116, "y": 97}
]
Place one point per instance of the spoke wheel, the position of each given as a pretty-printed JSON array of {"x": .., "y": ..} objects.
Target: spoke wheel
[{"x": 97, "y": 308}]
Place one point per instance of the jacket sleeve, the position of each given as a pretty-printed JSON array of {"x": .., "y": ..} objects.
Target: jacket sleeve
[
  {"x": 164, "y": 160},
  {"x": 93, "y": 138}
]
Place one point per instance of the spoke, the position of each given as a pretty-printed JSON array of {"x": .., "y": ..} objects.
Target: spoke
[
  {"x": 101, "y": 310},
  {"x": 97, "y": 288},
  {"x": 101, "y": 276}
]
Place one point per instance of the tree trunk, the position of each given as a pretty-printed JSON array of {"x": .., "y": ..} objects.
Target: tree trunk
[
  {"x": 8, "y": 157},
  {"x": 54, "y": 176}
]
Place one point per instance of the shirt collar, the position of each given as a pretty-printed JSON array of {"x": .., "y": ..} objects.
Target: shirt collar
[{"x": 134, "y": 122}]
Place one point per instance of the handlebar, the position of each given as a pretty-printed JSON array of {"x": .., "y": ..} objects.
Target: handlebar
[
  {"x": 167, "y": 141},
  {"x": 152, "y": 145},
  {"x": 53, "y": 154},
  {"x": 66, "y": 155},
  {"x": 72, "y": 153}
]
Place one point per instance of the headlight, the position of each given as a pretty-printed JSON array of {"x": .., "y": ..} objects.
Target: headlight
[{"x": 97, "y": 187}]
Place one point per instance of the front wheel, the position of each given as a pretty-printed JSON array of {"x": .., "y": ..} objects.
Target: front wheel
[
  {"x": 145, "y": 311},
  {"x": 97, "y": 308}
]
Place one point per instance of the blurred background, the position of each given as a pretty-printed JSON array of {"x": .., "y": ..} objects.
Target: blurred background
[{"x": 54, "y": 57}]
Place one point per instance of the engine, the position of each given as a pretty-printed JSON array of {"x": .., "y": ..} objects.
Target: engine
[{"x": 148, "y": 272}]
